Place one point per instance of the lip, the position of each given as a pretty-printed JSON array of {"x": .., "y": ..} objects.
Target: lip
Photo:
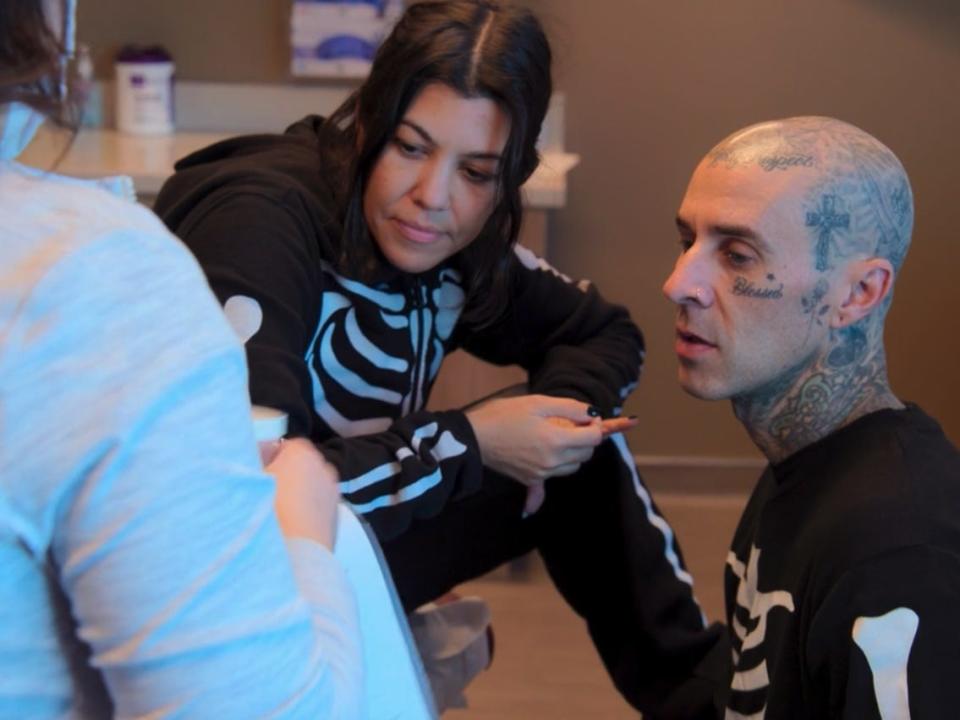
[
  {"x": 416, "y": 233},
  {"x": 690, "y": 345}
]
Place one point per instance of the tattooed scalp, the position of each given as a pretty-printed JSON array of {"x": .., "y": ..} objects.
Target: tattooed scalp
[{"x": 859, "y": 200}]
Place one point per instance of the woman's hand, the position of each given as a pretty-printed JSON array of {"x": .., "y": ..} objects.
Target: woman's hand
[
  {"x": 534, "y": 437},
  {"x": 307, "y": 492}
]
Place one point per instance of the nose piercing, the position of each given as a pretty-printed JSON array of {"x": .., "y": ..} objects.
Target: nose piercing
[{"x": 697, "y": 294}]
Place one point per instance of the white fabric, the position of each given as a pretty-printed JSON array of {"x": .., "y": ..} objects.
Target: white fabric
[
  {"x": 18, "y": 124},
  {"x": 141, "y": 566}
]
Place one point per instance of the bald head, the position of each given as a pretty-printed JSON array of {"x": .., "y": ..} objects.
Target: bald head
[{"x": 855, "y": 190}]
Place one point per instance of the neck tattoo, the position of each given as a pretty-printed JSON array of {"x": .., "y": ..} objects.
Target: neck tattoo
[{"x": 818, "y": 396}]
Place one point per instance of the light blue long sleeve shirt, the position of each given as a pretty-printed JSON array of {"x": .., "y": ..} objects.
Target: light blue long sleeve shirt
[{"x": 142, "y": 571}]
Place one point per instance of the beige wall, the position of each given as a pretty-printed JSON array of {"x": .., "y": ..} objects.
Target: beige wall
[
  {"x": 210, "y": 40},
  {"x": 650, "y": 87}
]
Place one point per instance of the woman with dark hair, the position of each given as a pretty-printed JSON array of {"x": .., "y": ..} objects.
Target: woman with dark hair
[
  {"x": 143, "y": 570},
  {"x": 363, "y": 248}
]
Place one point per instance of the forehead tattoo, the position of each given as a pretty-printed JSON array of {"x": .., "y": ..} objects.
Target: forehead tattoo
[{"x": 773, "y": 148}]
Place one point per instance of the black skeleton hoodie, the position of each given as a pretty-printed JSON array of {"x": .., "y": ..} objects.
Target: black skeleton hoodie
[{"x": 352, "y": 363}]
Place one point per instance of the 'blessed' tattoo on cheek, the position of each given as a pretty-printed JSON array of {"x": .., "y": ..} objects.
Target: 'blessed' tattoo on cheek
[{"x": 746, "y": 288}]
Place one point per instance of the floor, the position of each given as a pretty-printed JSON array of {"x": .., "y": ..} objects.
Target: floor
[{"x": 545, "y": 665}]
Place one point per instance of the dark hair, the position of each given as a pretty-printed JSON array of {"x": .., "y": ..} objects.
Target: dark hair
[
  {"x": 480, "y": 48},
  {"x": 31, "y": 61}
]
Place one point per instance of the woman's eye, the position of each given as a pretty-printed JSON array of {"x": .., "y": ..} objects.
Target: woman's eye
[
  {"x": 406, "y": 148},
  {"x": 685, "y": 244},
  {"x": 477, "y": 176}
]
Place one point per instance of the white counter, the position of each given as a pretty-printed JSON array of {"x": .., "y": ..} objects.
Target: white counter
[{"x": 149, "y": 160}]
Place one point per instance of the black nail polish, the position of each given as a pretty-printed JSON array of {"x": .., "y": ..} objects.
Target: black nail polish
[
  {"x": 632, "y": 417},
  {"x": 593, "y": 412}
]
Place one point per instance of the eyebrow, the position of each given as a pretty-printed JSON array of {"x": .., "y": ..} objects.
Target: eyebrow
[{"x": 495, "y": 157}]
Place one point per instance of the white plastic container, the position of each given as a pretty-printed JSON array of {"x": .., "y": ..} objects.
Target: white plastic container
[{"x": 144, "y": 91}]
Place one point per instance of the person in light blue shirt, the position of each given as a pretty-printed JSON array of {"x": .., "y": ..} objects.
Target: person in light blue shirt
[{"x": 149, "y": 567}]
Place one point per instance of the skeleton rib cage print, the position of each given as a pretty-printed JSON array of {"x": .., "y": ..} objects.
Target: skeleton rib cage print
[{"x": 373, "y": 359}]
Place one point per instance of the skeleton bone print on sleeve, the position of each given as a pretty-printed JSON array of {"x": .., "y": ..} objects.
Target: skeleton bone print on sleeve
[
  {"x": 531, "y": 261},
  {"x": 886, "y": 642}
]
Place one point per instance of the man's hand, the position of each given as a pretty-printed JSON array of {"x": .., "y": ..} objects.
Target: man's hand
[{"x": 307, "y": 492}]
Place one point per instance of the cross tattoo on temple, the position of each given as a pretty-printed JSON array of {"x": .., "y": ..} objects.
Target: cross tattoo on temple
[{"x": 827, "y": 219}]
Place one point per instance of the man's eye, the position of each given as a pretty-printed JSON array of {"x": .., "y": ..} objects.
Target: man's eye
[
  {"x": 737, "y": 259},
  {"x": 685, "y": 244}
]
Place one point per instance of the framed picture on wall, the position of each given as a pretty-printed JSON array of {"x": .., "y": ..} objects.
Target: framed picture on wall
[{"x": 338, "y": 38}]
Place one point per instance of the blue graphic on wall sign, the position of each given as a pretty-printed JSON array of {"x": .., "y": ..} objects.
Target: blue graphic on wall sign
[
  {"x": 345, "y": 46},
  {"x": 380, "y": 5},
  {"x": 339, "y": 38}
]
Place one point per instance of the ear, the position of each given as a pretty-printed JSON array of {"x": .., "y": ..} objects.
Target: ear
[{"x": 868, "y": 283}]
